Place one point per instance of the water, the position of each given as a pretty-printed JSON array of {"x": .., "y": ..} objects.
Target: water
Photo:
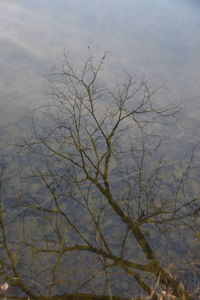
[{"x": 155, "y": 39}]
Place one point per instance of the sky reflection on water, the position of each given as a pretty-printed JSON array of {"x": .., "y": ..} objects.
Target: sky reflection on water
[
  {"x": 149, "y": 37},
  {"x": 157, "y": 38}
]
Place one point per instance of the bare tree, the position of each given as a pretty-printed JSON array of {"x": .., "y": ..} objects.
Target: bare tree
[{"x": 102, "y": 187}]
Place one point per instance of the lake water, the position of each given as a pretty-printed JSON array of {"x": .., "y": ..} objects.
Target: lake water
[{"x": 155, "y": 39}]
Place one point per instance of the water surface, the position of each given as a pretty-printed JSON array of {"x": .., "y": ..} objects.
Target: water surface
[{"x": 156, "y": 39}]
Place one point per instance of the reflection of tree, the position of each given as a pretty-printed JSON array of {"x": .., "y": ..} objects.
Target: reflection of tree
[{"x": 99, "y": 187}]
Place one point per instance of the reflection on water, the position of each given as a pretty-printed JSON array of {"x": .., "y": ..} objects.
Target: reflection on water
[
  {"x": 146, "y": 37},
  {"x": 89, "y": 206},
  {"x": 95, "y": 206}
]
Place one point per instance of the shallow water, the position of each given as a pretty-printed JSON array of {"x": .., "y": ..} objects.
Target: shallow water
[{"x": 157, "y": 39}]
